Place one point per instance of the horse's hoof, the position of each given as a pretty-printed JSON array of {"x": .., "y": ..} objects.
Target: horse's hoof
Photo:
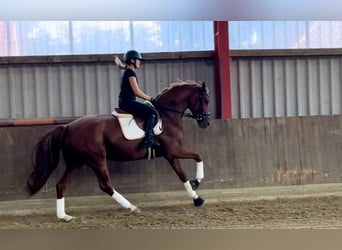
[
  {"x": 67, "y": 218},
  {"x": 198, "y": 202},
  {"x": 135, "y": 210}
]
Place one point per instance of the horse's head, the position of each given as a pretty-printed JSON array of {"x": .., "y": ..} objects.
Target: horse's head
[
  {"x": 199, "y": 106},
  {"x": 186, "y": 95}
]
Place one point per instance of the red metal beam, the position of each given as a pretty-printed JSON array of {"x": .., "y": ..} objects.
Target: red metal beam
[
  {"x": 222, "y": 70},
  {"x": 35, "y": 122}
]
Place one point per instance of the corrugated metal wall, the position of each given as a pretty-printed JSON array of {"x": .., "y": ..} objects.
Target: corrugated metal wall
[
  {"x": 261, "y": 86},
  {"x": 75, "y": 89},
  {"x": 286, "y": 86}
]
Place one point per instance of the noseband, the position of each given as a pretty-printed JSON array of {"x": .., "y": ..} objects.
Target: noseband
[{"x": 201, "y": 116}]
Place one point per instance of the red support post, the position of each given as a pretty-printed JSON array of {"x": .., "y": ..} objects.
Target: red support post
[{"x": 222, "y": 70}]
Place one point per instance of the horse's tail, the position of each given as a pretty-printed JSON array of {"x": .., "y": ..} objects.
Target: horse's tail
[{"x": 46, "y": 159}]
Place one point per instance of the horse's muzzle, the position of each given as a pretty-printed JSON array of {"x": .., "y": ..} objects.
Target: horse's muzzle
[{"x": 203, "y": 120}]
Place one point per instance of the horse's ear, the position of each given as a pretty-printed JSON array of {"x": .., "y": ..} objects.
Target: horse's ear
[{"x": 203, "y": 86}]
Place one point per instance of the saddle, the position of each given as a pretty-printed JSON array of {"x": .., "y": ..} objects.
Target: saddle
[{"x": 132, "y": 127}]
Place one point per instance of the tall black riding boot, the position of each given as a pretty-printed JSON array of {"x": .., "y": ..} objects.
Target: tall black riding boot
[{"x": 150, "y": 140}]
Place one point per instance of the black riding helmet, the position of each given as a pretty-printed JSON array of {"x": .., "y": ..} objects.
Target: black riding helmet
[{"x": 132, "y": 54}]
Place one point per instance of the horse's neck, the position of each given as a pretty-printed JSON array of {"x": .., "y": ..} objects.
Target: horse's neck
[
  {"x": 174, "y": 106},
  {"x": 171, "y": 113},
  {"x": 175, "y": 100}
]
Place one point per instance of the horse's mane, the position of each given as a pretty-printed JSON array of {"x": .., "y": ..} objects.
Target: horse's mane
[{"x": 178, "y": 84}]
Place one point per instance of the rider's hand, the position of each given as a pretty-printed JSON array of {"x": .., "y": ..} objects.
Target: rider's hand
[{"x": 154, "y": 102}]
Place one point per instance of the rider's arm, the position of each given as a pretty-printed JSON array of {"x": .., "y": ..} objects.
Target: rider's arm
[{"x": 137, "y": 91}]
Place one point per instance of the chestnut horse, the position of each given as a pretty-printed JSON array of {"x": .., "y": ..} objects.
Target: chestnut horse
[{"x": 93, "y": 139}]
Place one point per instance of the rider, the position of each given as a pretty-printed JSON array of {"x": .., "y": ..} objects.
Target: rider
[{"x": 129, "y": 93}]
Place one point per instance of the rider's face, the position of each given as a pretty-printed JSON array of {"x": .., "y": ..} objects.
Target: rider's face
[{"x": 137, "y": 63}]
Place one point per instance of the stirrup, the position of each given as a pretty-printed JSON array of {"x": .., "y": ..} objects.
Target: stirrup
[{"x": 151, "y": 153}]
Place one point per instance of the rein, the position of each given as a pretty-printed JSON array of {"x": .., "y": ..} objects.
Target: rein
[
  {"x": 184, "y": 114},
  {"x": 198, "y": 117}
]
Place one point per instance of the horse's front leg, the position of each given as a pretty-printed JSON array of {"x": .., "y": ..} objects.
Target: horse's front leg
[
  {"x": 188, "y": 154},
  {"x": 175, "y": 163}
]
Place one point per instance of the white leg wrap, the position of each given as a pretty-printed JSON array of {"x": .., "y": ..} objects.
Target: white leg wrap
[
  {"x": 199, "y": 171},
  {"x": 190, "y": 191},
  {"x": 122, "y": 201},
  {"x": 61, "y": 211},
  {"x": 60, "y": 208}
]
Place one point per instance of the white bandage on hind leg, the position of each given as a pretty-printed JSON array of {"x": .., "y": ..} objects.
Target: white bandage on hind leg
[
  {"x": 190, "y": 191},
  {"x": 122, "y": 200},
  {"x": 199, "y": 171},
  {"x": 60, "y": 208}
]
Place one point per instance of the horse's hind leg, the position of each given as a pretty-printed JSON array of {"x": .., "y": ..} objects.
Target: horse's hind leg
[
  {"x": 73, "y": 167},
  {"x": 102, "y": 173},
  {"x": 70, "y": 172}
]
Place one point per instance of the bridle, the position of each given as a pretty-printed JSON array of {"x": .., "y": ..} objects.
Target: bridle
[{"x": 200, "y": 117}]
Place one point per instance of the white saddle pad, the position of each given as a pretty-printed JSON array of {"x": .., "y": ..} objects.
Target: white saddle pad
[{"x": 131, "y": 130}]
